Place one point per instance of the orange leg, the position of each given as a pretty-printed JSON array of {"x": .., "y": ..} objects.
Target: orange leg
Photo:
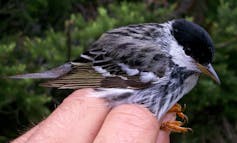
[{"x": 175, "y": 126}]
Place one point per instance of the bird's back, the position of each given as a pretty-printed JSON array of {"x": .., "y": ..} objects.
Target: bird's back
[{"x": 134, "y": 56}]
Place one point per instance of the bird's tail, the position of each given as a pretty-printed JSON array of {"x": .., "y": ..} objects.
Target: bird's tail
[{"x": 49, "y": 74}]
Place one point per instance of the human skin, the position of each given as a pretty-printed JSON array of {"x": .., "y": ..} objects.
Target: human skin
[{"x": 85, "y": 119}]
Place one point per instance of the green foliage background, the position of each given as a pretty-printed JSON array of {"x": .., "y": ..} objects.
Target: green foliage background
[{"x": 36, "y": 35}]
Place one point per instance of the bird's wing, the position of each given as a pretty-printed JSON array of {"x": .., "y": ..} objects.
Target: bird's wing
[
  {"x": 85, "y": 76},
  {"x": 123, "y": 57}
]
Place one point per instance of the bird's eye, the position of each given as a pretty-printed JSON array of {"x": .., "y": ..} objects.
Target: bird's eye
[{"x": 188, "y": 51}]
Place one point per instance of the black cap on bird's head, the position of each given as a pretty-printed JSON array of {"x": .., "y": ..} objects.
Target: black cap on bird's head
[
  {"x": 195, "y": 40},
  {"x": 196, "y": 43}
]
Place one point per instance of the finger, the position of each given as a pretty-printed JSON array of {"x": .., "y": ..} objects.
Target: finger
[
  {"x": 164, "y": 136},
  {"x": 77, "y": 119},
  {"x": 24, "y": 138},
  {"x": 129, "y": 123}
]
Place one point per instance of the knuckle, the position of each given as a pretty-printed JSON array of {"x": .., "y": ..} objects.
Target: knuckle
[{"x": 135, "y": 116}]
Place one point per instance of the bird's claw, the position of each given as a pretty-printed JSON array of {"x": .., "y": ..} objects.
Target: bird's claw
[
  {"x": 175, "y": 126},
  {"x": 178, "y": 109}
]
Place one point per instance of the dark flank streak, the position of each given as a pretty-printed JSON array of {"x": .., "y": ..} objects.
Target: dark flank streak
[
  {"x": 172, "y": 98},
  {"x": 162, "y": 102},
  {"x": 120, "y": 97}
]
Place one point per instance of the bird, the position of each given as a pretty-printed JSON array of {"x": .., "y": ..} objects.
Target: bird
[{"x": 151, "y": 64}]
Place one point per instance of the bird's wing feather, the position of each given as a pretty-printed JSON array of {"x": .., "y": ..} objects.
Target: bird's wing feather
[
  {"x": 81, "y": 76},
  {"x": 84, "y": 76}
]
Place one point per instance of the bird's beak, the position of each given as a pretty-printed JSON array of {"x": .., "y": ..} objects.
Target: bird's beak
[{"x": 209, "y": 71}]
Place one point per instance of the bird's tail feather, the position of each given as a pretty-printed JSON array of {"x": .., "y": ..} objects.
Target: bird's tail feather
[{"x": 49, "y": 74}]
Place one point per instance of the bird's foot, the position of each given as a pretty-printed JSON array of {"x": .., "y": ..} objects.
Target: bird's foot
[
  {"x": 176, "y": 126},
  {"x": 178, "y": 109}
]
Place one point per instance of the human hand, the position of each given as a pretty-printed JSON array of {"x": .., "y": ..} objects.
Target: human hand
[{"x": 84, "y": 119}]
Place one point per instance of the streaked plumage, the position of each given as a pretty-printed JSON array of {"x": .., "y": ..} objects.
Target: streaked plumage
[{"x": 150, "y": 64}]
